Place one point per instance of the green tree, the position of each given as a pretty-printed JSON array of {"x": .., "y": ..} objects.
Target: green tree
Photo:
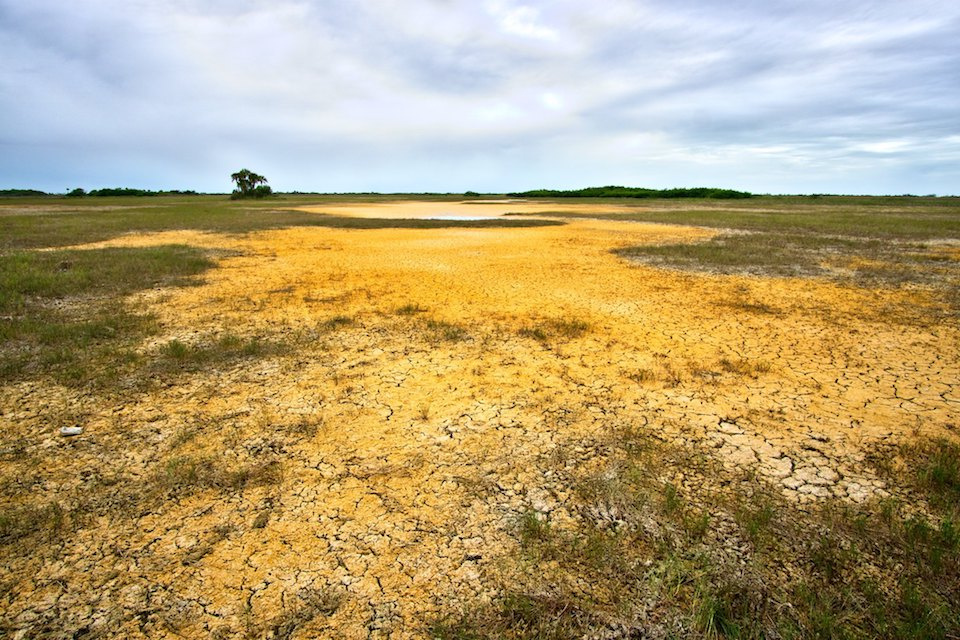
[{"x": 249, "y": 185}]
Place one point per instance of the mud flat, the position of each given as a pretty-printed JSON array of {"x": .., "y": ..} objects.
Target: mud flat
[{"x": 424, "y": 394}]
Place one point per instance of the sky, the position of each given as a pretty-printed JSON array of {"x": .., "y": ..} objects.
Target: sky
[{"x": 768, "y": 96}]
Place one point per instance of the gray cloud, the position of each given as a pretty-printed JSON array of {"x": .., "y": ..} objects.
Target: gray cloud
[{"x": 450, "y": 95}]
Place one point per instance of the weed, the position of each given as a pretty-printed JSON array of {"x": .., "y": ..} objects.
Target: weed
[
  {"x": 570, "y": 327},
  {"x": 179, "y": 356},
  {"x": 756, "y": 519},
  {"x": 744, "y": 367},
  {"x": 177, "y": 350},
  {"x": 714, "y": 619},
  {"x": 537, "y": 333},
  {"x": 672, "y": 502},
  {"x": 938, "y": 469},
  {"x": 671, "y": 377},
  {"x": 643, "y": 376},
  {"x": 309, "y": 604},
  {"x": 697, "y": 524},
  {"x": 566, "y": 328},
  {"x": 336, "y": 322},
  {"x": 410, "y": 309},
  {"x": 183, "y": 475},
  {"x": 447, "y": 331},
  {"x": 533, "y": 528},
  {"x": 47, "y": 522}
]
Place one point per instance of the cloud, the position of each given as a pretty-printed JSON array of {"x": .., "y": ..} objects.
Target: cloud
[{"x": 499, "y": 95}]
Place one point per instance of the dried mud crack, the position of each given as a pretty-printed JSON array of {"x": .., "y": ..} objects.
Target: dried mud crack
[{"x": 426, "y": 393}]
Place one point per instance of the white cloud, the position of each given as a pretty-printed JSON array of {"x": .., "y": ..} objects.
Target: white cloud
[
  {"x": 454, "y": 94},
  {"x": 521, "y": 20}
]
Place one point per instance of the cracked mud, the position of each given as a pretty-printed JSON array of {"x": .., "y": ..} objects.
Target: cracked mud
[{"x": 435, "y": 377}]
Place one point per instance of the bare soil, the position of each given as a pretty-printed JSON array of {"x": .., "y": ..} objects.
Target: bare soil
[{"x": 436, "y": 378}]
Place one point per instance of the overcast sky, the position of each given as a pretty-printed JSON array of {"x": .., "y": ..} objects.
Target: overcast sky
[{"x": 775, "y": 96}]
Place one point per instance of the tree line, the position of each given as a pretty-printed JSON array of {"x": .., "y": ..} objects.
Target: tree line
[{"x": 634, "y": 192}]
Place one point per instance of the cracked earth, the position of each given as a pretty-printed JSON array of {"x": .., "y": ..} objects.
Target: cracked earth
[{"x": 407, "y": 452}]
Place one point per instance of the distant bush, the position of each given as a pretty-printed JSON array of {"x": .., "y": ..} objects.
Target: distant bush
[
  {"x": 261, "y": 191},
  {"x": 20, "y": 193},
  {"x": 124, "y": 191},
  {"x": 634, "y": 192}
]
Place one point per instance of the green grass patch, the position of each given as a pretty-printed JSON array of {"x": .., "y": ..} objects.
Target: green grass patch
[
  {"x": 778, "y": 254},
  {"x": 337, "y": 322},
  {"x": 556, "y": 328},
  {"x": 410, "y": 310},
  {"x": 446, "y": 331},
  {"x": 938, "y": 470},
  {"x": 55, "y": 222},
  {"x": 721, "y": 555},
  {"x": 39, "y": 523},
  {"x": 865, "y": 241},
  {"x": 849, "y": 216},
  {"x": 187, "y": 474},
  {"x": 177, "y": 355},
  {"x": 62, "y": 312}
]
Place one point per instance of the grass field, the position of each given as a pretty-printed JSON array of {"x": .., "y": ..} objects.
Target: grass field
[{"x": 654, "y": 419}]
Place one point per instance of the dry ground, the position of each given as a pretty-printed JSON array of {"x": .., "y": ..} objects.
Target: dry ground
[{"x": 370, "y": 477}]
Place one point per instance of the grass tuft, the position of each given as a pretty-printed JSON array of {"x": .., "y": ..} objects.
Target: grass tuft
[
  {"x": 546, "y": 330},
  {"x": 178, "y": 356},
  {"x": 410, "y": 309},
  {"x": 184, "y": 475},
  {"x": 447, "y": 331}
]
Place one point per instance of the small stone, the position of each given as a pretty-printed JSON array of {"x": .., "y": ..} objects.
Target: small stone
[{"x": 70, "y": 431}]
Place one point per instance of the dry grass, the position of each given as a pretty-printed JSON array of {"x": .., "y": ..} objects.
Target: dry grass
[{"x": 710, "y": 555}]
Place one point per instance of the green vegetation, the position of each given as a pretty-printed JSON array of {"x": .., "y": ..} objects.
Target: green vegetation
[
  {"x": 635, "y": 192},
  {"x": 250, "y": 185},
  {"x": 36, "y": 222},
  {"x": 446, "y": 331},
  {"x": 546, "y": 330},
  {"x": 856, "y": 217},
  {"x": 410, "y": 309},
  {"x": 182, "y": 357},
  {"x": 665, "y": 540},
  {"x": 864, "y": 241},
  {"x": 863, "y": 261},
  {"x": 46, "y": 521},
  {"x": 61, "y": 312},
  {"x": 20, "y": 193},
  {"x": 184, "y": 475}
]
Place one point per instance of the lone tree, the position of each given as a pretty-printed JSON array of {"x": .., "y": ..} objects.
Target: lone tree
[{"x": 249, "y": 185}]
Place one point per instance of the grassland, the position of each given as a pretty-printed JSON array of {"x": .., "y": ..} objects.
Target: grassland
[
  {"x": 864, "y": 241},
  {"x": 683, "y": 419}
]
